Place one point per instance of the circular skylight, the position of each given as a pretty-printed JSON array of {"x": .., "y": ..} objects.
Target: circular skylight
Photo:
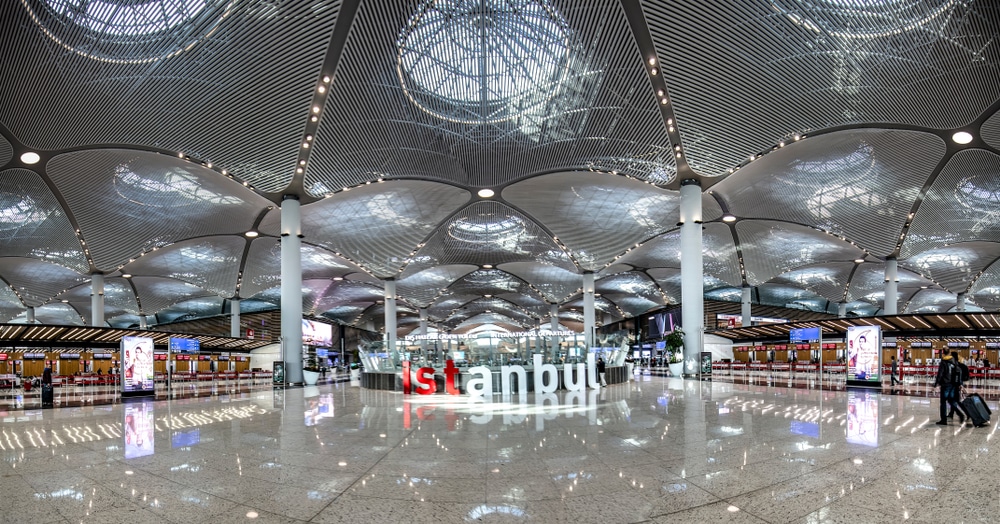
[
  {"x": 482, "y": 61},
  {"x": 128, "y": 31},
  {"x": 863, "y": 18}
]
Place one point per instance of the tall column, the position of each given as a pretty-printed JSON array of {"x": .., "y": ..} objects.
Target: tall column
[
  {"x": 423, "y": 330},
  {"x": 143, "y": 322},
  {"x": 291, "y": 288},
  {"x": 390, "y": 315},
  {"x": 745, "y": 306},
  {"x": 234, "y": 317},
  {"x": 97, "y": 299},
  {"x": 891, "y": 287},
  {"x": 554, "y": 326},
  {"x": 589, "y": 316},
  {"x": 960, "y": 303},
  {"x": 30, "y": 314},
  {"x": 842, "y": 309},
  {"x": 692, "y": 274}
]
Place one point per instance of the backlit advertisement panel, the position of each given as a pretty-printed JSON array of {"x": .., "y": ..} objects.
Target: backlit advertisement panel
[
  {"x": 864, "y": 344},
  {"x": 317, "y": 334},
  {"x": 139, "y": 426},
  {"x": 137, "y": 366}
]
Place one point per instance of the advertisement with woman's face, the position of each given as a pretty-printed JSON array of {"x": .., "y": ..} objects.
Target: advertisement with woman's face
[
  {"x": 863, "y": 347},
  {"x": 137, "y": 365}
]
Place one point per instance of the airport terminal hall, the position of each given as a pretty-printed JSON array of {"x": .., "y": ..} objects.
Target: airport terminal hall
[{"x": 499, "y": 261}]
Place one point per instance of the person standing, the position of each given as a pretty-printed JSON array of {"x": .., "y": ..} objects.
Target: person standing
[
  {"x": 892, "y": 372},
  {"x": 600, "y": 370},
  {"x": 949, "y": 378}
]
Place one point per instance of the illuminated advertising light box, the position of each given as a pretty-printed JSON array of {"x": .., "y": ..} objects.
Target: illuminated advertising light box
[
  {"x": 864, "y": 347},
  {"x": 137, "y": 366},
  {"x": 184, "y": 345},
  {"x": 138, "y": 428},
  {"x": 862, "y": 418},
  {"x": 317, "y": 333}
]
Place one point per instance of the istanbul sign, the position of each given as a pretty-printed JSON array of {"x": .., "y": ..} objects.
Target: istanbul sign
[{"x": 480, "y": 381}]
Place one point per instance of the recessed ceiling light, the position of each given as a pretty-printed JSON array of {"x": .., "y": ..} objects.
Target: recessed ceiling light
[
  {"x": 65, "y": 301},
  {"x": 486, "y": 193},
  {"x": 962, "y": 137},
  {"x": 251, "y": 234},
  {"x": 30, "y": 157},
  {"x": 487, "y": 266},
  {"x": 338, "y": 278},
  {"x": 729, "y": 218},
  {"x": 487, "y": 296},
  {"x": 126, "y": 275},
  {"x": 858, "y": 260}
]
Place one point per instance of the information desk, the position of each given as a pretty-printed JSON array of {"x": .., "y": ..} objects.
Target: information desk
[{"x": 394, "y": 381}]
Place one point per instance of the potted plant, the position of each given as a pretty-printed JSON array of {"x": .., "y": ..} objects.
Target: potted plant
[
  {"x": 675, "y": 346},
  {"x": 310, "y": 371}
]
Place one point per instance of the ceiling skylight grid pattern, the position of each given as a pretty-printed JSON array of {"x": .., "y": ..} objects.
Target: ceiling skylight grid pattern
[
  {"x": 158, "y": 293},
  {"x": 772, "y": 248},
  {"x": 719, "y": 257},
  {"x": 990, "y": 130},
  {"x": 762, "y": 73},
  {"x": 118, "y": 295},
  {"x": 58, "y": 314},
  {"x": 33, "y": 224},
  {"x": 591, "y": 117},
  {"x": 628, "y": 284},
  {"x": 422, "y": 288},
  {"x": 789, "y": 296},
  {"x": 6, "y": 151},
  {"x": 488, "y": 282},
  {"x": 211, "y": 263},
  {"x": 130, "y": 202},
  {"x": 869, "y": 280},
  {"x": 963, "y": 204},
  {"x": 954, "y": 267},
  {"x": 123, "y": 321},
  {"x": 841, "y": 182},
  {"x": 554, "y": 283},
  {"x": 444, "y": 307},
  {"x": 344, "y": 314},
  {"x": 380, "y": 225},
  {"x": 37, "y": 281},
  {"x": 489, "y": 233},
  {"x": 189, "y": 103},
  {"x": 596, "y": 216},
  {"x": 189, "y": 309},
  {"x": 931, "y": 301},
  {"x": 10, "y": 305},
  {"x": 826, "y": 279}
]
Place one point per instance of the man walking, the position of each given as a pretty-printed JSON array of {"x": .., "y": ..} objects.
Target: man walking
[
  {"x": 949, "y": 378},
  {"x": 892, "y": 373}
]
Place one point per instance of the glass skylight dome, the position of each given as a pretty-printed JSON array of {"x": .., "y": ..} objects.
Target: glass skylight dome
[
  {"x": 483, "y": 61},
  {"x": 128, "y": 31},
  {"x": 863, "y": 18}
]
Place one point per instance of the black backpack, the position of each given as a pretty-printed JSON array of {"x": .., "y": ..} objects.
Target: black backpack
[
  {"x": 950, "y": 374},
  {"x": 965, "y": 372}
]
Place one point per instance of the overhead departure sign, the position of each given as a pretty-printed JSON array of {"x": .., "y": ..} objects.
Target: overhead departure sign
[
  {"x": 804, "y": 335},
  {"x": 184, "y": 345}
]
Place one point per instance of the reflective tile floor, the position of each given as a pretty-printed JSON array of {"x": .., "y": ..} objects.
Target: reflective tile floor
[{"x": 657, "y": 450}]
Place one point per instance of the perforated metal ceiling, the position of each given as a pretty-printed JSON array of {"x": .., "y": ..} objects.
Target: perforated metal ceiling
[{"x": 164, "y": 139}]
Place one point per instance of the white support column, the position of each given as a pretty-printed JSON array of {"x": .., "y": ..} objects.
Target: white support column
[
  {"x": 423, "y": 330},
  {"x": 143, "y": 322},
  {"x": 891, "y": 287},
  {"x": 607, "y": 319},
  {"x": 291, "y": 288},
  {"x": 97, "y": 299},
  {"x": 30, "y": 313},
  {"x": 745, "y": 306},
  {"x": 234, "y": 317},
  {"x": 842, "y": 309},
  {"x": 554, "y": 326},
  {"x": 589, "y": 315},
  {"x": 692, "y": 274},
  {"x": 960, "y": 303},
  {"x": 390, "y": 315}
]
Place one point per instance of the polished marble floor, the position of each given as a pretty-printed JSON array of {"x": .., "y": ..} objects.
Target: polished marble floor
[{"x": 656, "y": 450}]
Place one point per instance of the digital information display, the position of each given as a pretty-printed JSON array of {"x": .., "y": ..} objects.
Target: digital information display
[
  {"x": 317, "y": 334},
  {"x": 139, "y": 427},
  {"x": 184, "y": 345},
  {"x": 137, "y": 366},
  {"x": 864, "y": 346},
  {"x": 803, "y": 335}
]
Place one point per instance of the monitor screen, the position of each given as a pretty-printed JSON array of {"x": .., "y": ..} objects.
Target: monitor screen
[{"x": 317, "y": 333}]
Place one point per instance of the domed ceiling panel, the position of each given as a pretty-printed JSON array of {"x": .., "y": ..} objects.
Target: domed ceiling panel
[
  {"x": 212, "y": 263},
  {"x": 6, "y": 151},
  {"x": 188, "y": 309},
  {"x": 489, "y": 233},
  {"x": 839, "y": 182},
  {"x": 788, "y": 296},
  {"x": 348, "y": 314},
  {"x": 129, "y": 202},
  {"x": 743, "y": 76},
  {"x": 421, "y": 289},
  {"x": 986, "y": 289},
  {"x": 344, "y": 293},
  {"x": 377, "y": 226},
  {"x": 158, "y": 293},
  {"x": 263, "y": 265},
  {"x": 931, "y": 301},
  {"x": 828, "y": 280},
  {"x": 37, "y": 282},
  {"x": 489, "y": 282},
  {"x": 448, "y": 304},
  {"x": 869, "y": 281},
  {"x": 633, "y": 284},
  {"x": 772, "y": 248},
  {"x": 990, "y": 130},
  {"x": 494, "y": 306},
  {"x": 187, "y": 98},
  {"x": 119, "y": 298},
  {"x": 963, "y": 204},
  {"x": 596, "y": 216},
  {"x": 956, "y": 266},
  {"x": 554, "y": 283},
  {"x": 33, "y": 224},
  {"x": 536, "y": 87},
  {"x": 59, "y": 314},
  {"x": 10, "y": 304}
]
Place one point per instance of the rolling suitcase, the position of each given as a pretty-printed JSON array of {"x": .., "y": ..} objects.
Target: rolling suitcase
[
  {"x": 46, "y": 395},
  {"x": 976, "y": 409}
]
